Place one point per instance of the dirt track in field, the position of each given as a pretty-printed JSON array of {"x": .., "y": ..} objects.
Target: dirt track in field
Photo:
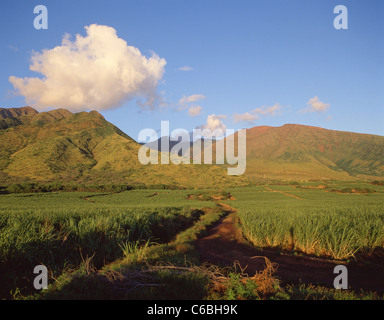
[
  {"x": 284, "y": 193},
  {"x": 223, "y": 246}
]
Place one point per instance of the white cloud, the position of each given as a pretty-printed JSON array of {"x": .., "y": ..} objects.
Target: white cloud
[
  {"x": 268, "y": 111},
  {"x": 194, "y": 111},
  {"x": 255, "y": 114},
  {"x": 185, "y": 68},
  {"x": 245, "y": 117},
  {"x": 185, "y": 100},
  {"x": 214, "y": 123},
  {"x": 98, "y": 71},
  {"x": 315, "y": 105}
]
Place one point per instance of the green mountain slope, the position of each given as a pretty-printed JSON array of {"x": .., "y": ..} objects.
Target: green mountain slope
[
  {"x": 304, "y": 152},
  {"x": 85, "y": 148}
]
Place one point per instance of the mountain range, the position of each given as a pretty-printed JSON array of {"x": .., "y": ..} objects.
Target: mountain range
[{"x": 85, "y": 148}]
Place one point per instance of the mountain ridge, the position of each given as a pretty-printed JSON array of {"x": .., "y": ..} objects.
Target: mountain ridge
[
  {"x": 84, "y": 147},
  {"x": 6, "y": 113},
  {"x": 348, "y": 154}
]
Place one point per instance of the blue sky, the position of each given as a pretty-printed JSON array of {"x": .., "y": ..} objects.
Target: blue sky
[{"x": 247, "y": 63}]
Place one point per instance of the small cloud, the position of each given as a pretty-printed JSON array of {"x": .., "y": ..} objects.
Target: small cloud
[
  {"x": 185, "y": 68},
  {"x": 329, "y": 118},
  {"x": 255, "y": 114},
  {"x": 186, "y": 100},
  {"x": 214, "y": 122},
  {"x": 245, "y": 117},
  {"x": 12, "y": 48},
  {"x": 315, "y": 105},
  {"x": 193, "y": 98},
  {"x": 268, "y": 111},
  {"x": 194, "y": 111}
]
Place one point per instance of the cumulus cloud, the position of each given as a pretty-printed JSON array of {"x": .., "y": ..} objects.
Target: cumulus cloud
[
  {"x": 315, "y": 105},
  {"x": 185, "y": 68},
  {"x": 194, "y": 111},
  {"x": 245, "y": 117},
  {"x": 97, "y": 71},
  {"x": 214, "y": 122}
]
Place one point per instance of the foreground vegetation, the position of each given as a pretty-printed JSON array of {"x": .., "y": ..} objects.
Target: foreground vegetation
[
  {"x": 62, "y": 230},
  {"x": 314, "y": 219},
  {"x": 139, "y": 244}
]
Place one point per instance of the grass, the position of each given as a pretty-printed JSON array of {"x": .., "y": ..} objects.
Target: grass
[
  {"x": 139, "y": 244},
  {"x": 61, "y": 230},
  {"x": 157, "y": 271},
  {"x": 317, "y": 222}
]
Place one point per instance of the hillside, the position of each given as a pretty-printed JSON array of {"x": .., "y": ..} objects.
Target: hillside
[
  {"x": 304, "y": 152},
  {"x": 84, "y": 148}
]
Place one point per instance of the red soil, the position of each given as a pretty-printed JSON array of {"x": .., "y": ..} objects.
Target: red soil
[{"x": 224, "y": 246}]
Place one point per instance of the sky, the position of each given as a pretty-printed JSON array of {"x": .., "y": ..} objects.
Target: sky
[{"x": 198, "y": 64}]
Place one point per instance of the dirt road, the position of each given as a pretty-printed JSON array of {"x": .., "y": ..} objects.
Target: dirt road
[{"x": 223, "y": 246}]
